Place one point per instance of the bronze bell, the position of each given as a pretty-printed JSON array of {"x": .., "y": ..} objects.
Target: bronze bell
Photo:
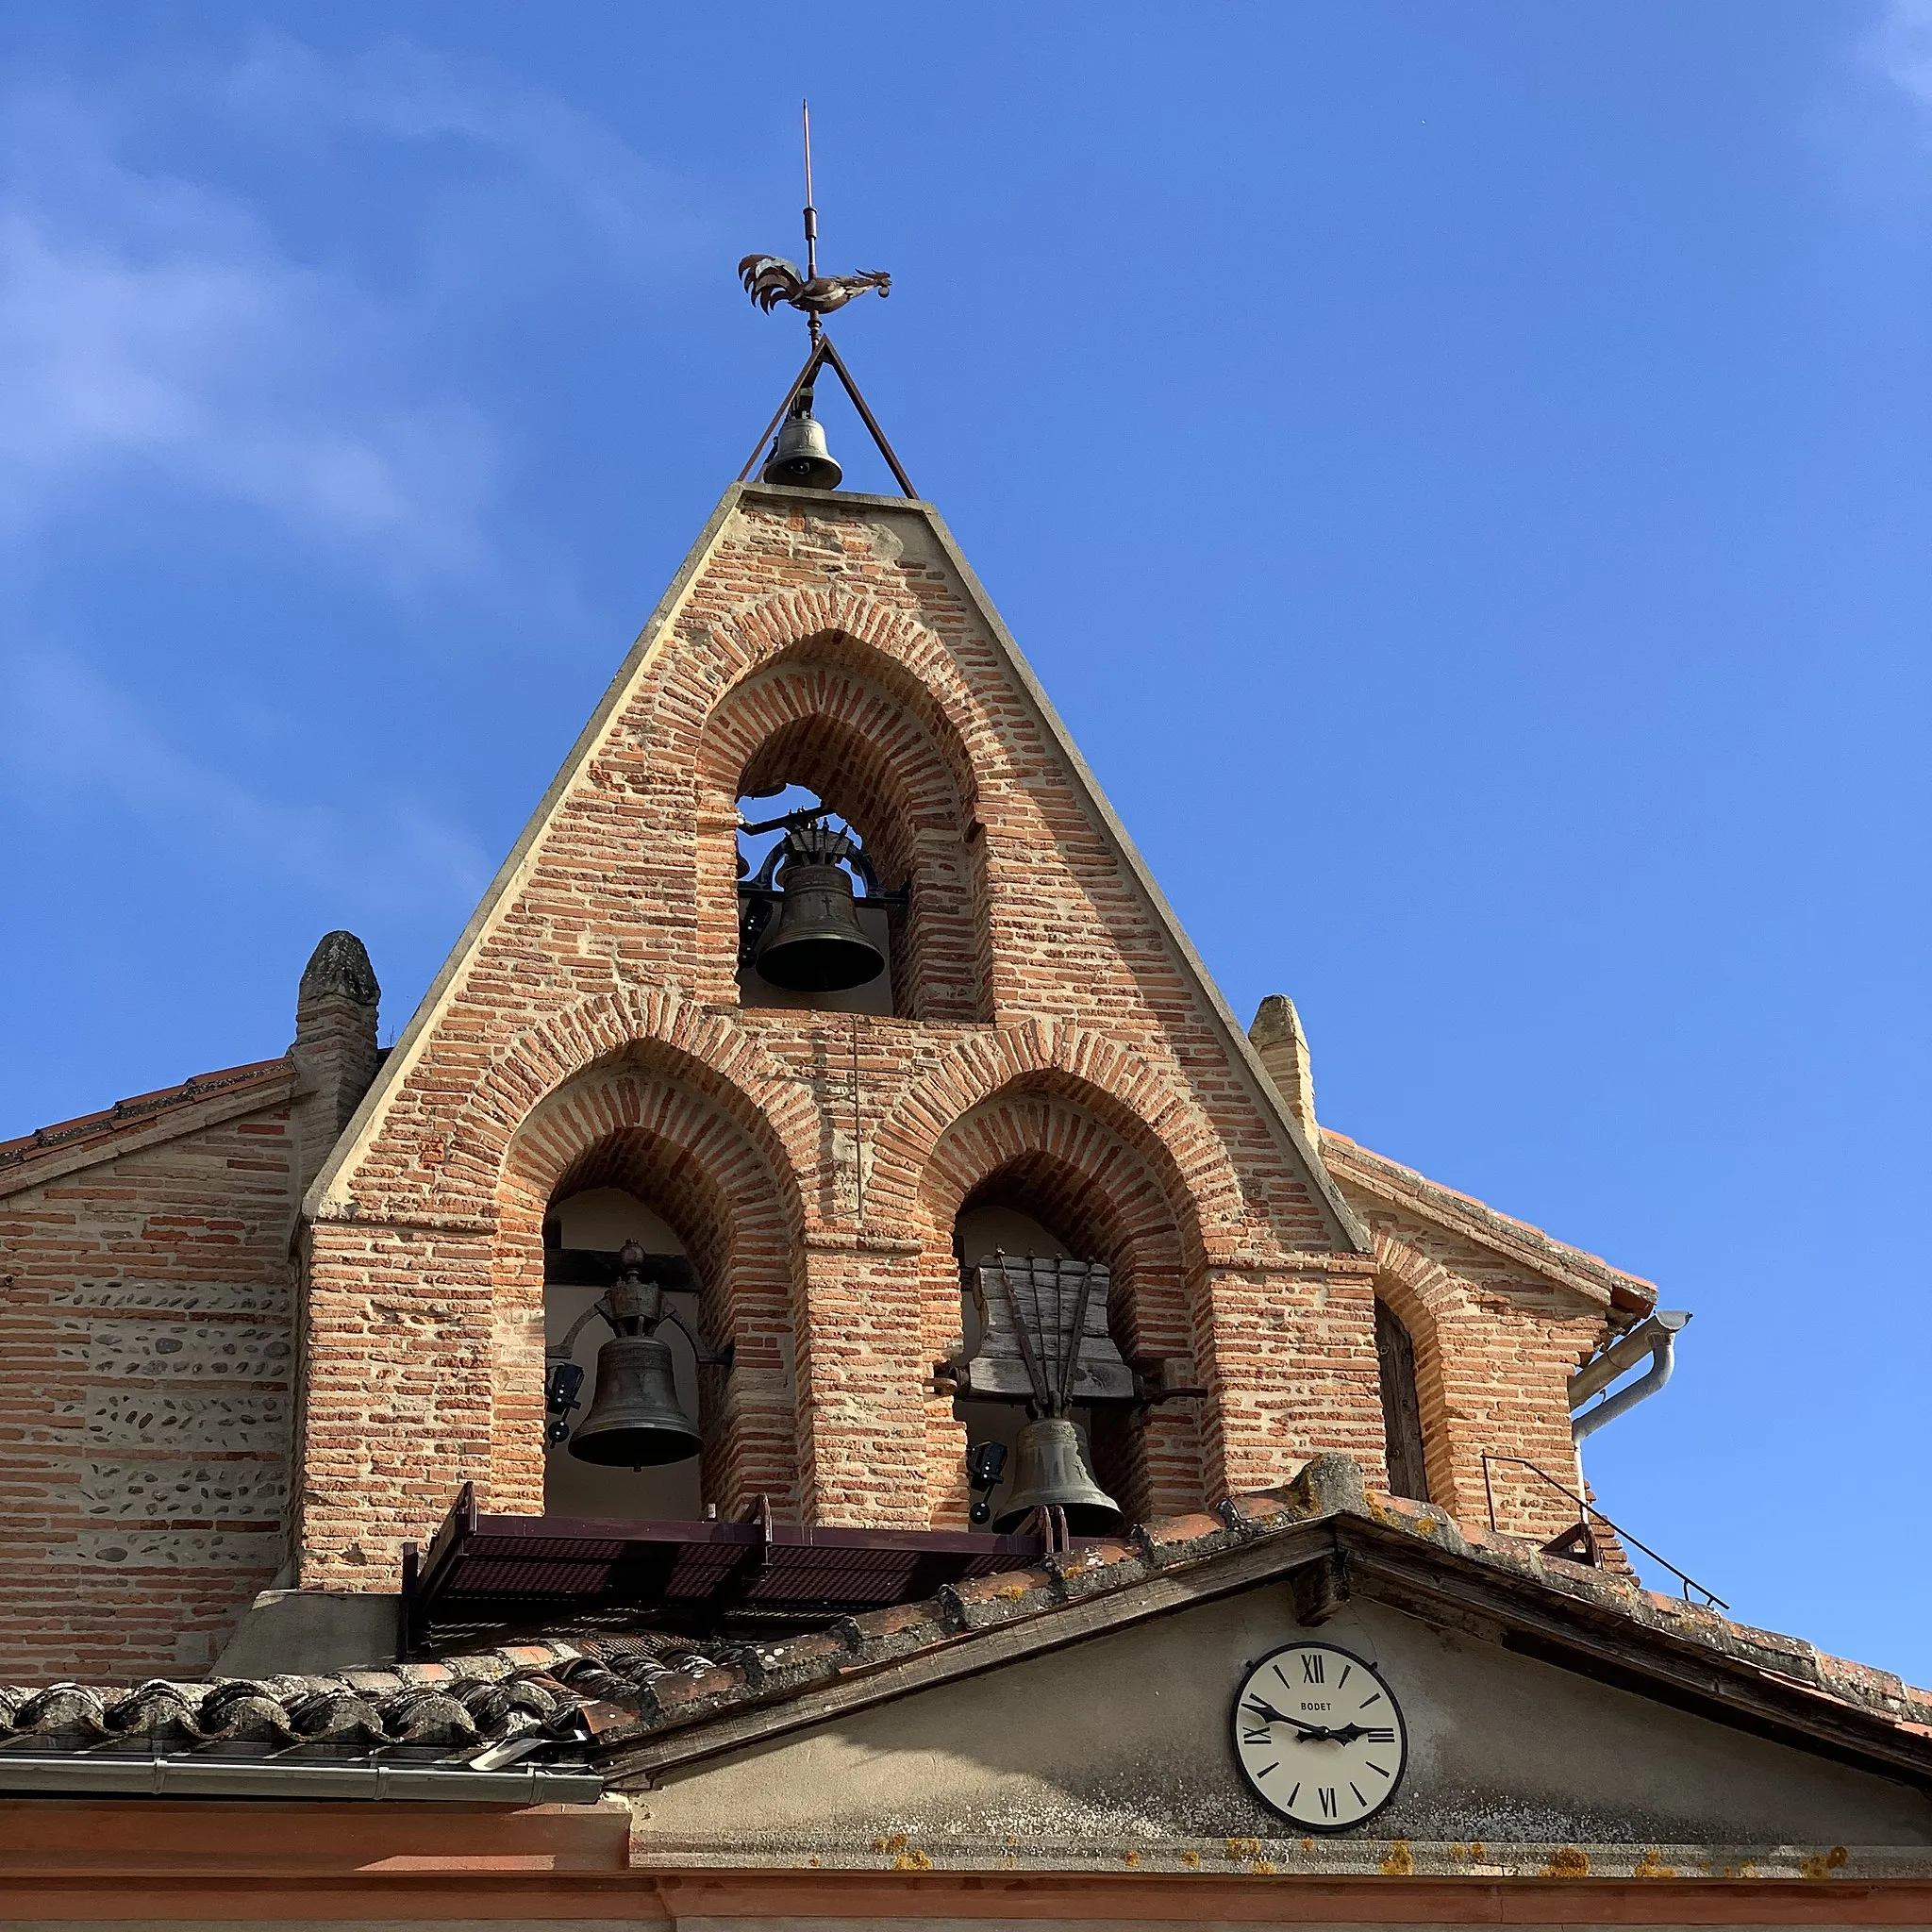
[
  {"x": 635, "y": 1421},
  {"x": 818, "y": 945},
  {"x": 800, "y": 456},
  {"x": 1051, "y": 1471}
]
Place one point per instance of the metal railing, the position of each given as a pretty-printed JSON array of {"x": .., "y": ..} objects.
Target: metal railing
[{"x": 1590, "y": 1510}]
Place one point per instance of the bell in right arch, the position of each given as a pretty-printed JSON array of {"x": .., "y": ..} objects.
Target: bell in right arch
[
  {"x": 1051, "y": 1473},
  {"x": 800, "y": 456}
]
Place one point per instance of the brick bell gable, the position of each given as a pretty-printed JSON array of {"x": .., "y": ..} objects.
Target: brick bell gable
[{"x": 1056, "y": 1038}]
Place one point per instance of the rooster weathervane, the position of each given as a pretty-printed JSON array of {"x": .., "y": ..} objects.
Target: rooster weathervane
[
  {"x": 769, "y": 279},
  {"x": 800, "y": 457}
]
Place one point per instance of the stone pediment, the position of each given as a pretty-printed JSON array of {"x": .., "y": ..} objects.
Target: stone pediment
[{"x": 1555, "y": 1721}]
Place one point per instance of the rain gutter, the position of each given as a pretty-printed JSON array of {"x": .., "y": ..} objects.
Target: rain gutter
[
  {"x": 213, "y": 1777},
  {"x": 1655, "y": 1338}
]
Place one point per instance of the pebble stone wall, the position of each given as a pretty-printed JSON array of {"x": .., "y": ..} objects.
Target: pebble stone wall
[
  {"x": 148, "y": 1351},
  {"x": 146, "y": 1313}
]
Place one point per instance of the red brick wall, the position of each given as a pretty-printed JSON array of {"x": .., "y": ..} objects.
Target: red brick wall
[
  {"x": 146, "y": 1359},
  {"x": 1050, "y": 1053},
  {"x": 1495, "y": 1348},
  {"x": 1049, "y": 1040}
]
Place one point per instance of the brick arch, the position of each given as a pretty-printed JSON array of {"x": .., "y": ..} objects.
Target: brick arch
[
  {"x": 1426, "y": 1299},
  {"x": 1147, "y": 1109},
  {"x": 842, "y": 718},
  {"x": 840, "y": 623},
  {"x": 1034, "y": 1147},
  {"x": 503, "y": 1161},
  {"x": 1088, "y": 1137},
  {"x": 659, "y": 1026},
  {"x": 632, "y": 1120}
]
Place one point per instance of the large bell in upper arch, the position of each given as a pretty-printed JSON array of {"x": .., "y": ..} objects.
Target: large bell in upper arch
[{"x": 817, "y": 944}]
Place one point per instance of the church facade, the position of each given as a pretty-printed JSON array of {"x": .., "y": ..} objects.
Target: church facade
[{"x": 360, "y": 1575}]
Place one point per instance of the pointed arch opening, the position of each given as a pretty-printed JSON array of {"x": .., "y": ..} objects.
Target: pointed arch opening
[
  {"x": 627, "y": 1188},
  {"x": 1003, "y": 1215},
  {"x": 1403, "y": 1446},
  {"x": 842, "y": 723},
  {"x": 776, "y": 825},
  {"x": 1031, "y": 1168},
  {"x": 629, "y": 1151}
]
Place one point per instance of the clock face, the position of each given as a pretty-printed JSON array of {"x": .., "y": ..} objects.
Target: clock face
[{"x": 1320, "y": 1736}]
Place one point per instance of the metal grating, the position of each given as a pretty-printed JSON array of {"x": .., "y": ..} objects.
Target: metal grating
[{"x": 686, "y": 1573}]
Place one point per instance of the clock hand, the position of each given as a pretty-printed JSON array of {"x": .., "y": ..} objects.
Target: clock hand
[{"x": 1273, "y": 1716}]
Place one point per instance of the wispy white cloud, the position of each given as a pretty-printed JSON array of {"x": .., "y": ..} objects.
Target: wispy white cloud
[
  {"x": 70, "y": 739},
  {"x": 152, "y": 323},
  {"x": 203, "y": 353},
  {"x": 405, "y": 93},
  {"x": 1901, "y": 45},
  {"x": 245, "y": 284}
]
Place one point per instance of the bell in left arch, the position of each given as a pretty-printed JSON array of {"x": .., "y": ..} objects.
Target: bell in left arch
[{"x": 635, "y": 1419}]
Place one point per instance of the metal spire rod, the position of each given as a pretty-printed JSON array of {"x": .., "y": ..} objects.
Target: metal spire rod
[
  {"x": 811, "y": 221},
  {"x": 769, "y": 279}
]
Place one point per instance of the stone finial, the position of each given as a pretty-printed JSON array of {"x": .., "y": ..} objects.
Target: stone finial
[
  {"x": 340, "y": 964},
  {"x": 1277, "y": 1037},
  {"x": 335, "y": 1051},
  {"x": 1329, "y": 1484}
]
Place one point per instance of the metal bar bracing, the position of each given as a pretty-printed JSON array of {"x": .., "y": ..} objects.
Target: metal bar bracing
[
  {"x": 803, "y": 376},
  {"x": 822, "y": 354},
  {"x": 1588, "y": 1510},
  {"x": 866, "y": 416}
]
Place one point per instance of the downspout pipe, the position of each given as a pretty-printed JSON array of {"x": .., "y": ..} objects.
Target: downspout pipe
[{"x": 1656, "y": 1338}]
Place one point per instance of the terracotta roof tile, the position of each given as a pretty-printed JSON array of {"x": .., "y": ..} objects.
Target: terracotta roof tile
[
  {"x": 1427, "y": 1193},
  {"x": 458, "y": 1703},
  {"x": 620, "y": 1689},
  {"x": 137, "y": 1111}
]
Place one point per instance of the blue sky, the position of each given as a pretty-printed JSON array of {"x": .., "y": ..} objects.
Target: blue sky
[{"x": 1462, "y": 473}]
